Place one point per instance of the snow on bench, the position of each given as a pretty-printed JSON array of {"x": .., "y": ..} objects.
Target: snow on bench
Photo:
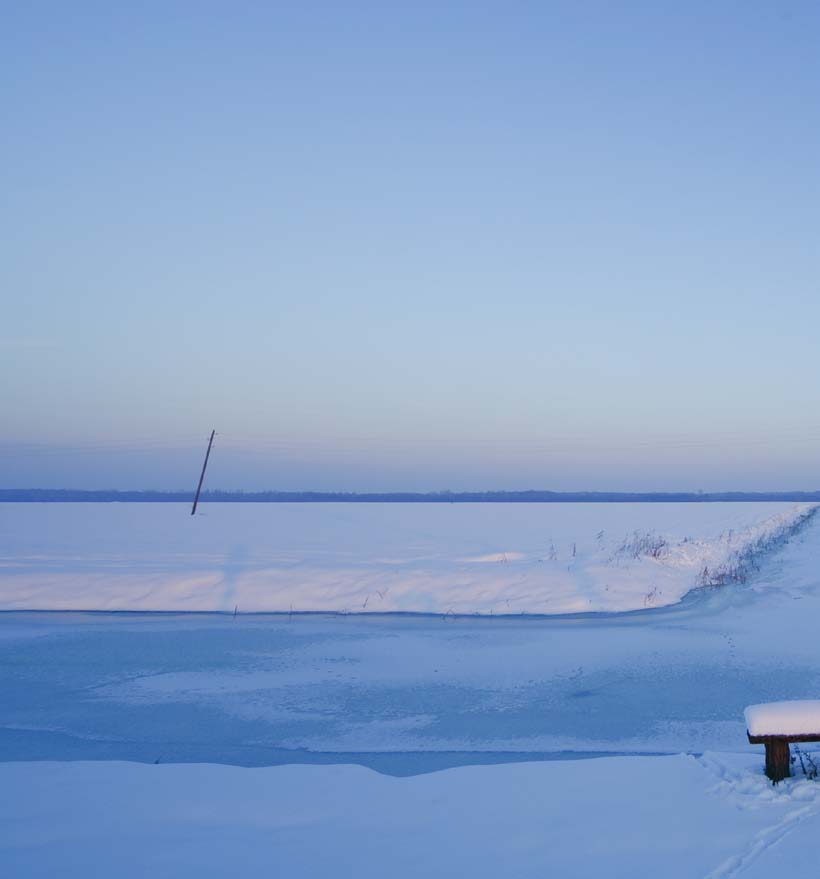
[{"x": 775, "y": 724}]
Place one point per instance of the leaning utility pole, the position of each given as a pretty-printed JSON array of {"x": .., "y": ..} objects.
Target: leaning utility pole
[{"x": 202, "y": 475}]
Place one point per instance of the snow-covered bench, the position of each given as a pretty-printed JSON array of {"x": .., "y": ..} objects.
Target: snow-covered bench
[{"x": 776, "y": 724}]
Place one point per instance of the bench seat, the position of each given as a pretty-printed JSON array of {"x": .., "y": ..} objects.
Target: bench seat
[
  {"x": 776, "y": 725},
  {"x": 799, "y": 717}
]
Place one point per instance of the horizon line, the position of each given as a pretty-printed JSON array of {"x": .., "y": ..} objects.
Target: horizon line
[{"x": 68, "y": 495}]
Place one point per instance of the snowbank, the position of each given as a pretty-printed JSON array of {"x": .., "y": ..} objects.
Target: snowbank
[
  {"x": 357, "y": 558},
  {"x": 626, "y": 816},
  {"x": 798, "y": 717}
]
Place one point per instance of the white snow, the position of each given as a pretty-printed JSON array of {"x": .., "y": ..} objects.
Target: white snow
[
  {"x": 793, "y": 718},
  {"x": 626, "y": 816},
  {"x": 132, "y": 686},
  {"x": 273, "y": 689},
  {"x": 363, "y": 558}
]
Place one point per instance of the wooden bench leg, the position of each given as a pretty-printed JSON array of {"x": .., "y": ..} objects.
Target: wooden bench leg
[{"x": 778, "y": 760}]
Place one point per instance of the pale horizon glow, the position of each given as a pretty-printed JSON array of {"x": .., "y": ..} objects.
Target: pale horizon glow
[{"x": 378, "y": 248}]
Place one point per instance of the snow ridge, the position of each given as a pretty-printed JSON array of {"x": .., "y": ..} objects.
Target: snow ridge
[
  {"x": 758, "y": 542},
  {"x": 434, "y": 559}
]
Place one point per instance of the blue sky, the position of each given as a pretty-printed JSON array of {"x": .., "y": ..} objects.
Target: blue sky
[{"x": 411, "y": 246}]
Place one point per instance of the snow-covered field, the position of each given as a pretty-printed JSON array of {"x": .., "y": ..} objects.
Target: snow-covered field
[
  {"x": 423, "y": 704},
  {"x": 377, "y": 558},
  {"x": 679, "y": 817}
]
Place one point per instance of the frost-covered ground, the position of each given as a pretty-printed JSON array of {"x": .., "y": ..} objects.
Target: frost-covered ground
[
  {"x": 407, "y": 696},
  {"x": 377, "y": 558},
  {"x": 679, "y": 817}
]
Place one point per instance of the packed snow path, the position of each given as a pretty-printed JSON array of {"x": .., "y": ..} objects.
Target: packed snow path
[{"x": 410, "y": 694}]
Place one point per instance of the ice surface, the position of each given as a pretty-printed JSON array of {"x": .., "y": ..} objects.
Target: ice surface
[
  {"x": 793, "y": 718},
  {"x": 411, "y": 694}
]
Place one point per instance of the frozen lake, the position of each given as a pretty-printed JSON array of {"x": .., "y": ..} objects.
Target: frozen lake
[{"x": 407, "y": 694}]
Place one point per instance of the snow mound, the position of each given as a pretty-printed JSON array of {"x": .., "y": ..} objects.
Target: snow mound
[{"x": 676, "y": 817}]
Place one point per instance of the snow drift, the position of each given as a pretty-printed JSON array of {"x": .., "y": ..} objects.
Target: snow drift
[
  {"x": 678, "y": 817},
  {"x": 443, "y": 559}
]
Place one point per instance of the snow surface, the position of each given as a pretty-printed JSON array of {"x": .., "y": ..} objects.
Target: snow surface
[
  {"x": 405, "y": 695},
  {"x": 409, "y": 694},
  {"x": 374, "y": 558},
  {"x": 793, "y": 718},
  {"x": 681, "y": 816}
]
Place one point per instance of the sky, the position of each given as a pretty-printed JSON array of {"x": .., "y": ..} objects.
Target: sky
[{"x": 416, "y": 246}]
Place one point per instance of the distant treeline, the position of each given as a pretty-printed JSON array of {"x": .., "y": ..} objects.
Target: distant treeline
[{"x": 60, "y": 495}]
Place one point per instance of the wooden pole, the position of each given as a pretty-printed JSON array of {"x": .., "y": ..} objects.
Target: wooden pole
[{"x": 202, "y": 475}]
